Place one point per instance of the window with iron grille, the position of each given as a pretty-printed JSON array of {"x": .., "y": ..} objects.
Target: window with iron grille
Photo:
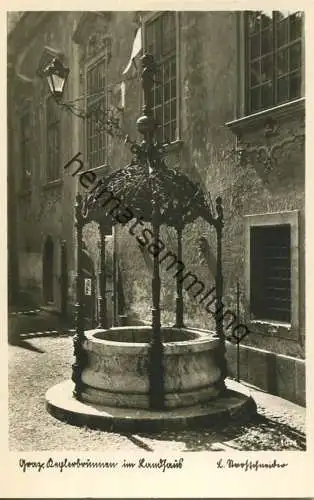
[
  {"x": 53, "y": 140},
  {"x": 274, "y": 58},
  {"x": 160, "y": 41},
  {"x": 270, "y": 273},
  {"x": 95, "y": 107},
  {"x": 25, "y": 136}
]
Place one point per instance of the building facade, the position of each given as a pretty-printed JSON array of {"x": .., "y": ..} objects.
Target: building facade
[{"x": 229, "y": 100}]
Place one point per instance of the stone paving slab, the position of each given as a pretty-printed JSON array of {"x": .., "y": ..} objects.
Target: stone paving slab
[{"x": 40, "y": 362}]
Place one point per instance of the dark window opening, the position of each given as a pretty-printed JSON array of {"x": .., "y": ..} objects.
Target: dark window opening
[{"x": 271, "y": 273}]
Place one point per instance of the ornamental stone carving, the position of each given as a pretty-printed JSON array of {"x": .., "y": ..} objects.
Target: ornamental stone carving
[
  {"x": 272, "y": 142},
  {"x": 283, "y": 145},
  {"x": 92, "y": 34}
]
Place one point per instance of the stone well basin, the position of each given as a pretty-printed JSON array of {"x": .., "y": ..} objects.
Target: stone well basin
[{"x": 116, "y": 373}]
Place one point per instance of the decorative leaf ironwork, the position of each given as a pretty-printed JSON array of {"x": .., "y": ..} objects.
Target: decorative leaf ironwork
[{"x": 180, "y": 201}]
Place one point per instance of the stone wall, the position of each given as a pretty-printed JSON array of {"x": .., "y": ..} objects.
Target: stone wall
[
  {"x": 208, "y": 100},
  {"x": 46, "y": 208},
  {"x": 275, "y": 373}
]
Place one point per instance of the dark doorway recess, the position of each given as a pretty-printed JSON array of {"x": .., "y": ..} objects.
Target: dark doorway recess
[
  {"x": 64, "y": 279},
  {"x": 48, "y": 271}
]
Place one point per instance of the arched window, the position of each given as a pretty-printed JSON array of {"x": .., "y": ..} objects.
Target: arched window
[{"x": 48, "y": 270}]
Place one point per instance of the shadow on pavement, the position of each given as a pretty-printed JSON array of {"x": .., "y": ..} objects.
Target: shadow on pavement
[
  {"x": 26, "y": 345},
  {"x": 282, "y": 436},
  {"x": 259, "y": 434},
  {"x": 138, "y": 442}
]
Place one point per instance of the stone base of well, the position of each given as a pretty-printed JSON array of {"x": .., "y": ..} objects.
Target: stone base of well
[
  {"x": 234, "y": 403},
  {"x": 116, "y": 370}
]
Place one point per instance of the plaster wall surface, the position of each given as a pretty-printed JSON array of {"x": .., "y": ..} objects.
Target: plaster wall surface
[
  {"x": 44, "y": 208},
  {"x": 208, "y": 94}
]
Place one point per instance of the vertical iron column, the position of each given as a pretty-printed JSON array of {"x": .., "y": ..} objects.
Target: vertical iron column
[
  {"x": 115, "y": 278},
  {"x": 156, "y": 347},
  {"x": 179, "y": 282},
  {"x": 238, "y": 322},
  {"x": 219, "y": 289},
  {"x": 149, "y": 151},
  {"x": 79, "y": 336},
  {"x": 103, "y": 323}
]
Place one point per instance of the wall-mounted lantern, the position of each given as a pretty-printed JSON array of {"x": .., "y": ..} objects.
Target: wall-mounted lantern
[{"x": 56, "y": 74}]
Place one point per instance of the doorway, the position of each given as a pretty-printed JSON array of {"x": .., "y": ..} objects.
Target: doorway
[
  {"x": 48, "y": 271},
  {"x": 64, "y": 280}
]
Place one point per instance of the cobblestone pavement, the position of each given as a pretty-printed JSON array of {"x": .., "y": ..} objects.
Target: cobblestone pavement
[{"x": 43, "y": 360}]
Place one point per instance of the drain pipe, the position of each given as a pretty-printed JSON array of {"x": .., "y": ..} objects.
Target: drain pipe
[{"x": 115, "y": 278}]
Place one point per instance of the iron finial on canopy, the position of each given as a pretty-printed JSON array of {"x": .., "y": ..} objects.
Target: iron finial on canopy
[{"x": 146, "y": 123}]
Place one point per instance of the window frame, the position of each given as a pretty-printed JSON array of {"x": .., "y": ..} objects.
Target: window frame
[
  {"x": 147, "y": 18},
  {"x": 90, "y": 64},
  {"x": 57, "y": 179},
  {"x": 290, "y": 218},
  {"x": 25, "y": 183},
  {"x": 243, "y": 92}
]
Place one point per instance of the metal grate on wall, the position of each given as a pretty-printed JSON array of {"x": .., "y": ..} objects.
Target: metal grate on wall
[{"x": 270, "y": 276}]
